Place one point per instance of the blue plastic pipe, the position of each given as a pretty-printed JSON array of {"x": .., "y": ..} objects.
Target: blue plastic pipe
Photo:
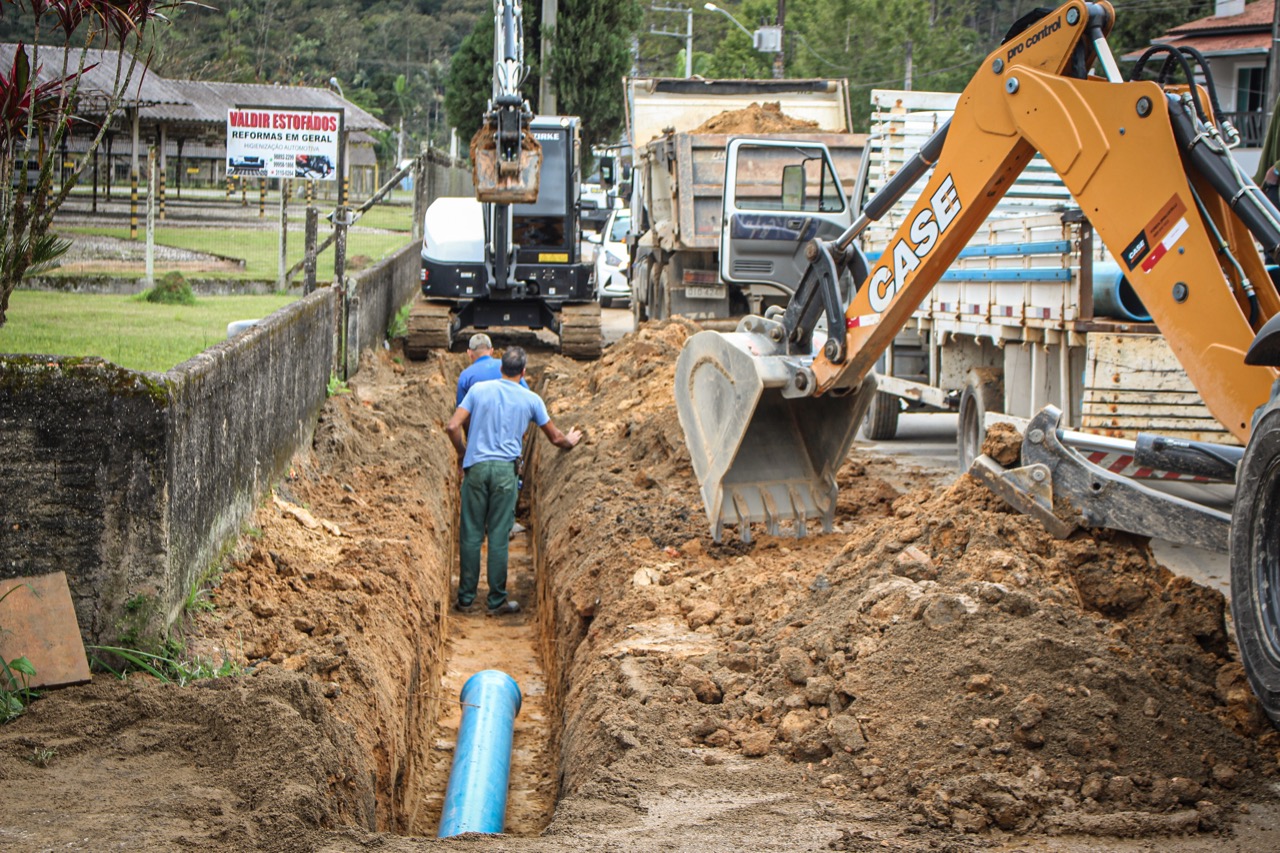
[
  {"x": 476, "y": 799},
  {"x": 1114, "y": 297}
]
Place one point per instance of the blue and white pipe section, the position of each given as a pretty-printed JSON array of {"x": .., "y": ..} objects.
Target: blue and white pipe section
[{"x": 476, "y": 799}]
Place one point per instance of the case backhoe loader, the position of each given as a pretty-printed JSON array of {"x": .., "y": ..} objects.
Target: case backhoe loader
[{"x": 770, "y": 411}]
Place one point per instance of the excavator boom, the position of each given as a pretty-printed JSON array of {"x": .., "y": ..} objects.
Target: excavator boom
[
  {"x": 1145, "y": 163},
  {"x": 505, "y": 156}
]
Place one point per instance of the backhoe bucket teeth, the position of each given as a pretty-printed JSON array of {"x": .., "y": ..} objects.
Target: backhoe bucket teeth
[
  {"x": 761, "y": 457},
  {"x": 505, "y": 181}
]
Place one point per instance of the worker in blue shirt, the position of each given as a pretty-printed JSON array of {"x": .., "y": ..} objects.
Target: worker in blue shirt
[
  {"x": 483, "y": 365},
  {"x": 487, "y": 431}
]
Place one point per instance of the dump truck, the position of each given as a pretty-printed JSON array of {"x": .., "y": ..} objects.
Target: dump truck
[
  {"x": 678, "y": 173},
  {"x": 770, "y": 410}
]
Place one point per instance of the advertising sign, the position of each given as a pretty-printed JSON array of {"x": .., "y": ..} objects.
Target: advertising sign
[{"x": 271, "y": 142}]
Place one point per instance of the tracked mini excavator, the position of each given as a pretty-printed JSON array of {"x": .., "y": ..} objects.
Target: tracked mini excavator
[
  {"x": 511, "y": 255},
  {"x": 770, "y": 411}
]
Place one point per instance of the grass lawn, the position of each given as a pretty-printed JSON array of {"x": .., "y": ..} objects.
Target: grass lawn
[
  {"x": 126, "y": 330},
  {"x": 259, "y": 249}
]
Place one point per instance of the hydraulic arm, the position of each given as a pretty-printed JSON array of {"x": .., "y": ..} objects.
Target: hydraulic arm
[
  {"x": 770, "y": 410},
  {"x": 505, "y": 157}
]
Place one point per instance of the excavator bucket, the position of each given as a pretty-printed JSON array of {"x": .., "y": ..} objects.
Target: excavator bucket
[
  {"x": 759, "y": 456},
  {"x": 500, "y": 180}
]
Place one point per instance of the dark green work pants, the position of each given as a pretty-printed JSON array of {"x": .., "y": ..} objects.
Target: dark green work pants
[{"x": 488, "y": 506}]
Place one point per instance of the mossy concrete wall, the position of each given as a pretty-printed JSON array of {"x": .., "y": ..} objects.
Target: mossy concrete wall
[
  {"x": 377, "y": 295},
  {"x": 132, "y": 483}
]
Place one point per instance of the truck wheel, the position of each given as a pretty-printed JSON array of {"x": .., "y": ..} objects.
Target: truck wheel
[
  {"x": 640, "y": 291},
  {"x": 881, "y": 422},
  {"x": 983, "y": 392},
  {"x": 1255, "y": 559},
  {"x": 660, "y": 308}
]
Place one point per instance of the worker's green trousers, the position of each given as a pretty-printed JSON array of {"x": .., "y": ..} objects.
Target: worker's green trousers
[{"x": 489, "y": 495}]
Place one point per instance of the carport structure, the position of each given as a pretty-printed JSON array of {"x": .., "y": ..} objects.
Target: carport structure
[{"x": 176, "y": 114}]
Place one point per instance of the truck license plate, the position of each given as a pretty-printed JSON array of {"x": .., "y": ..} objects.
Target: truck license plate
[{"x": 696, "y": 292}]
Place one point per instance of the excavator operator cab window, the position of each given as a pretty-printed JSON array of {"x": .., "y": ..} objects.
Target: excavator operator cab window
[
  {"x": 545, "y": 223},
  {"x": 786, "y": 179}
]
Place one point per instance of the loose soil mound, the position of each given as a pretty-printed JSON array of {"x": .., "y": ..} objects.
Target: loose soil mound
[
  {"x": 939, "y": 654},
  {"x": 757, "y": 118}
]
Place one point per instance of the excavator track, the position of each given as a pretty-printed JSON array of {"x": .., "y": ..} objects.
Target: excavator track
[
  {"x": 430, "y": 328},
  {"x": 581, "y": 337}
]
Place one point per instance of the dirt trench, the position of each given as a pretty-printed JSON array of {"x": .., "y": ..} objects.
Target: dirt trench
[{"x": 935, "y": 674}]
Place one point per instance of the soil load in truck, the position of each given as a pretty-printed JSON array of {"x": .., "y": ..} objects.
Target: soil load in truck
[{"x": 677, "y": 197}]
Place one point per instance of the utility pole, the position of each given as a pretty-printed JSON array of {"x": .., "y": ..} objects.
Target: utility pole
[
  {"x": 779, "y": 66},
  {"x": 906, "y": 83},
  {"x": 546, "y": 92},
  {"x": 687, "y": 35},
  {"x": 1273, "y": 62}
]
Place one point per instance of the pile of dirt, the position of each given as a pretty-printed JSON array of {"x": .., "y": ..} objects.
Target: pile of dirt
[
  {"x": 939, "y": 653},
  {"x": 333, "y": 606},
  {"x": 757, "y": 118}
]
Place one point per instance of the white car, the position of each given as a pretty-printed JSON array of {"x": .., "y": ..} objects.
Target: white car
[{"x": 612, "y": 258}]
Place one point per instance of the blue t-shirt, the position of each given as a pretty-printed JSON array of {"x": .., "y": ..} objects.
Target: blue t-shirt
[
  {"x": 483, "y": 369},
  {"x": 500, "y": 413}
]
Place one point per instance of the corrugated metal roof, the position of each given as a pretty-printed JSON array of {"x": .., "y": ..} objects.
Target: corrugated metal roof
[
  {"x": 99, "y": 80},
  {"x": 1256, "y": 15},
  {"x": 208, "y": 102},
  {"x": 162, "y": 99}
]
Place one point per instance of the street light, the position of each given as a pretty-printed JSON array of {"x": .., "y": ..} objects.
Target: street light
[
  {"x": 333, "y": 81},
  {"x": 712, "y": 7}
]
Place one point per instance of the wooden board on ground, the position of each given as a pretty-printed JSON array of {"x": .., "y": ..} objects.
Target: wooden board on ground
[{"x": 38, "y": 621}]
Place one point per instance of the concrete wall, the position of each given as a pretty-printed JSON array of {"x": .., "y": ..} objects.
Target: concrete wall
[
  {"x": 378, "y": 295},
  {"x": 133, "y": 484}
]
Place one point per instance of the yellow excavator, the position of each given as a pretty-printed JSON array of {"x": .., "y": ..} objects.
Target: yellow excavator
[{"x": 770, "y": 410}]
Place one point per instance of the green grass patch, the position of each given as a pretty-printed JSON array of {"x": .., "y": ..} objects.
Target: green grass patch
[
  {"x": 126, "y": 330},
  {"x": 260, "y": 250}
]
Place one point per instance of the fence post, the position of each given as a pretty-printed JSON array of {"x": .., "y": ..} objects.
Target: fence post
[
  {"x": 282, "y": 284},
  {"x": 151, "y": 218},
  {"x": 133, "y": 204},
  {"x": 309, "y": 251},
  {"x": 262, "y": 198}
]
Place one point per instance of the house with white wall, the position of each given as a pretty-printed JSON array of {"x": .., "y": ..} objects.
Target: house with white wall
[{"x": 1235, "y": 40}]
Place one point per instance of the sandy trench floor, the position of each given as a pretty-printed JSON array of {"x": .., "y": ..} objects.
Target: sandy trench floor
[{"x": 935, "y": 674}]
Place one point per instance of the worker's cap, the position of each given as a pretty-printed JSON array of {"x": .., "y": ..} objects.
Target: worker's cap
[{"x": 480, "y": 341}]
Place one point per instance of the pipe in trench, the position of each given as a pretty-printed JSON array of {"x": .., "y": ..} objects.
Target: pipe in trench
[{"x": 476, "y": 799}]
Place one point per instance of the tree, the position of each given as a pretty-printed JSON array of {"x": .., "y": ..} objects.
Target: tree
[
  {"x": 591, "y": 54},
  {"x": 81, "y": 62},
  {"x": 470, "y": 79}
]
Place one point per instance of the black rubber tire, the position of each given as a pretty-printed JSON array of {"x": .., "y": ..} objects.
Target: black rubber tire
[
  {"x": 606, "y": 301},
  {"x": 640, "y": 292},
  {"x": 983, "y": 392},
  {"x": 1255, "y": 559},
  {"x": 881, "y": 422}
]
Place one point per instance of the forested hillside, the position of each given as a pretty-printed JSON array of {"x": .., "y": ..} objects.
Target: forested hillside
[{"x": 419, "y": 59}]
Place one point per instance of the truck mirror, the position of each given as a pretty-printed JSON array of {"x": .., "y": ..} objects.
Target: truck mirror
[
  {"x": 793, "y": 187},
  {"x": 607, "y": 174}
]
